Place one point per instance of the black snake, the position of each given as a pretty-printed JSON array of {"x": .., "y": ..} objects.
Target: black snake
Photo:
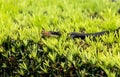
[{"x": 77, "y": 34}]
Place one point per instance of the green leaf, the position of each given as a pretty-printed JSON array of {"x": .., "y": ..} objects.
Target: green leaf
[{"x": 23, "y": 66}]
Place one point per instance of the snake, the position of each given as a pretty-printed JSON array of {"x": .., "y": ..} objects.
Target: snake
[{"x": 77, "y": 34}]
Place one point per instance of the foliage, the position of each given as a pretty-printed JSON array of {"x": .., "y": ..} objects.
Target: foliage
[{"x": 24, "y": 52}]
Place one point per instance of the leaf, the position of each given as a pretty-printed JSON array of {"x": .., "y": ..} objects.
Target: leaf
[
  {"x": 44, "y": 69},
  {"x": 4, "y": 65},
  {"x": 23, "y": 65},
  {"x": 52, "y": 56},
  {"x": 34, "y": 51}
]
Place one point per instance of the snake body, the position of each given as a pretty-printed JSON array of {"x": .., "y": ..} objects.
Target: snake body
[{"x": 77, "y": 34}]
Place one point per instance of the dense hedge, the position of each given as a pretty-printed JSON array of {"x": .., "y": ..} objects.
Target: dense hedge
[
  {"x": 25, "y": 53},
  {"x": 18, "y": 58}
]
